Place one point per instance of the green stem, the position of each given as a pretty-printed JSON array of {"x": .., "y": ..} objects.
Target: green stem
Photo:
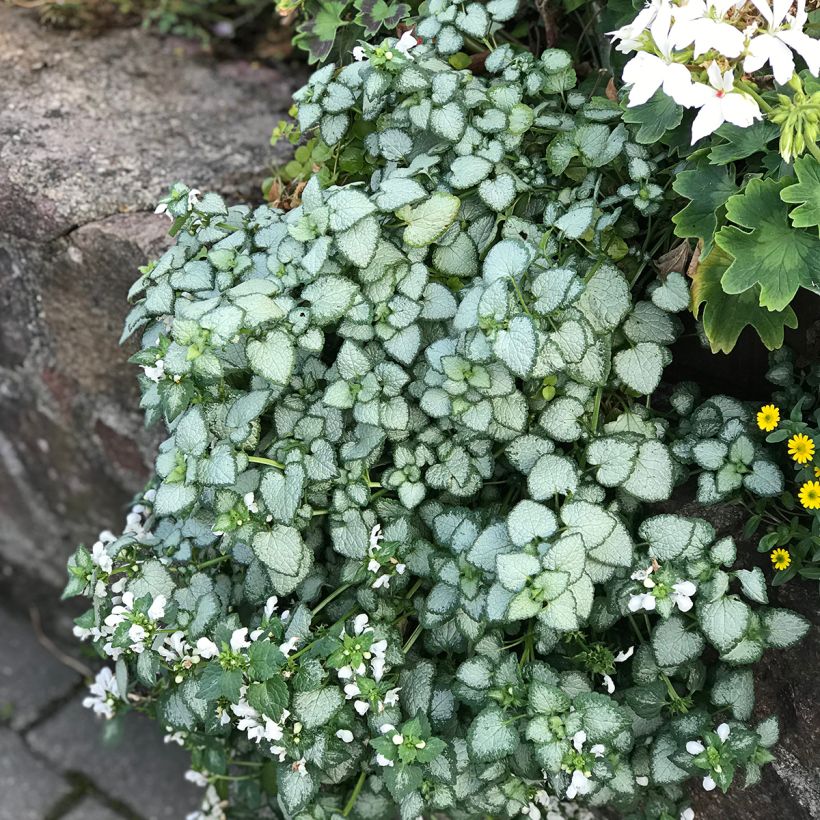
[
  {"x": 212, "y": 562},
  {"x": 412, "y": 591},
  {"x": 268, "y": 461},
  {"x": 596, "y": 410},
  {"x": 813, "y": 149},
  {"x": 333, "y": 595},
  {"x": 753, "y": 93},
  {"x": 354, "y": 795},
  {"x": 412, "y": 639}
]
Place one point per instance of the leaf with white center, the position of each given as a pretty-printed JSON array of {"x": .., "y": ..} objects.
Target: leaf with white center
[
  {"x": 513, "y": 570},
  {"x": 395, "y": 193},
  {"x": 673, "y": 295},
  {"x": 507, "y": 259},
  {"x": 783, "y": 628},
  {"x": 330, "y": 298},
  {"x": 615, "y": 458},
  {"x": 296, "y": 789},
  {"x": 174, "y": 498},
  {"x": 491, "y": 737},
  {"x": 552, "y": 475},
  {"x": 529, "y": 521},
  {"x": 753, "y": 584},
  {"x": 191, "y": 434},
  {"x": 560, "y": 419},
  {"x": 273, "y": 357},
  {"x": 468, "y": 171},
  {"x": 651, "y": 476},
  {"x": 497, "y": 193},
  {"x": 448, "y": 122},
  {"x": 576, "y": 221},
  {"x": 765, "y": 479},
  {"x": 282, "y": 492},
  {"x": 285, "y": 556},
  {"x": 515, "y": 346},
  {"x": 606, "y": 299},
  {"x": 347, "y": 207},
  {"x": 669, "y": 536},
  {"x": 601, "y": 718},
  {"x": 640, "y": 367},
  {"x": 429, "y": 220},
  {"x": 734, "y": 689},
  {"x": 724, "y": 621},
  {"x": 358, "y": 243},
  {"x": 674, "y": 643},
  {"x": 316, "y": 708}
]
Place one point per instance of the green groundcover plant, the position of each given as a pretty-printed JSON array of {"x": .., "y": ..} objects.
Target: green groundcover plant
[{"x": 399, "y": 556}]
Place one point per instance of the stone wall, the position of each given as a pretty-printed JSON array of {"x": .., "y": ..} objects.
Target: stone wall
[{"x": 92, "y": 132}]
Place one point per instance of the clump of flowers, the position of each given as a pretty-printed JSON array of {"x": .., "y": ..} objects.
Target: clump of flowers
[{"x": 704, "y": 54}]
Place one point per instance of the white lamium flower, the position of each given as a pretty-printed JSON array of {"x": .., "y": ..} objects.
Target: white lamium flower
[
  {"x": 239, "y": 639},
  {"x": 360, "y": 624},
  {"x": 406, "y": 43},
  {"x": 709, "y": 783},
  {"x": 646, "y": 73},
  {"x": 345, "y": 735},
  {"x": 687, "y": 814},
  {"x": 694, "y": 747},
  {"x": 642, "y": 780},
  {"x": 383, "y": 761},
  {"x": 250, "y": 502},
  {"x": 783, "y": 35},
  {"x": 682, "y": 593},
  {"x": 644, "y": 576},
  {"x": 101, "y": 558},
  {"x": 359, "y": 54},
  {"x": 197, "y": 778},
  {"x": 206, "y": 648},
  {"x": 619, "y": 658},
  {"x": 156, "y": 372},
  {"x": 289, "y": 645},
  {"x": 702, "y": 25},
  {"x": 157, "y": 608},
  {"x": 723, "y": 731},
  {"x": 580, "y": 784},
  {"x": 103, "y": 693},
  {"x": 721, "y": 102},
  {"x": 270, "y": 606},
  {"x": 643, "y": 600}
]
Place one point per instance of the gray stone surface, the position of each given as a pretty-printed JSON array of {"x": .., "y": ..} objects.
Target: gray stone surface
[
  {"x": 139, "y": 770},
  {"x": 31, "y": 679},
  {"x": 28, "y": 789},
  {"x": 91, "y": 809},
  {"x": 92, "y": 132}
]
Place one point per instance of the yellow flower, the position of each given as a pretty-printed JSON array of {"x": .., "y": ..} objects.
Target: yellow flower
[
  {"x": 817, "y": 472},
  {"x": 768, "y": 417},
  {"x": 781, "y": 559},
  {"x": 801, "y": 448},
  {"x": 809, "y": 495}
]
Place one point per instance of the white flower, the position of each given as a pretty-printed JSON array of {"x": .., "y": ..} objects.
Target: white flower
[
  {"x": 682, "y": 593},
  {"x": 270, "y": 606},
  {"x": 289, "y": 645},
  {"x": 619, "y": 658},
  {"x": 397, "y": 739},
  {"x": 211, "y": 807},
  {"x": 687, "y": 814},
  {"x": 643, "y": 600},
  {"x": 206, "y": 648},
  {"x": 197, "y": 778},
  {"x": 383, "y": 761},
  {"x": 376, "y": 535},
  {"x": 580, "y": 784},
  {"x": 373, "y": 566},
  {"x": 694, "y": 747},
  {"x": 162, "y": 208},
  {"x": 708, "y": 783},
  {"x": 643, "y": 575},
  {"x": 156, "y": 372},
  {"x": 250, "y": 502},
  {"x": 377, "y": 667},
  {"x": 361, "y": 707},
  {"x": 392, "y": 697},
  {"x": 193, "y": 197},
  {"x": 299, "y": 766},
  {"x": 157, "y": 608},
  {"x": 784, "y": 35},
  {"x": 239, "y": 639},
  {"x": 103, "y": 693},
  {"x": 101, "y": 558},
  {"x": 723, "y": 731},
  {"x": 345, "y": 735},
  {"x": 381, "y": 581},
  {"x": 630, "y": 34},
  {"x": 642, "y": 780},
  {"x": 360, "y": 624},
  {"x": 702, "y": 24},
  {"x": 579, "y": 739},
  {"x": 405, "y": 43},
  {"x": 359, "y": 54},
  {"x": 646, "y": 73}
]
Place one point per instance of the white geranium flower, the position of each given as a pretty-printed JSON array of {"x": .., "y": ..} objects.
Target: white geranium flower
[
  {"x": 646, "y": 73},
  {"x": 783, "y": 35},
  {"x": 103, "y": 694},
  {"x": 630, "y": 34},
  {"x": 682, "y": 593},
  {"x": 701, "y": 23},
  {"x": 720, "y": 102}
]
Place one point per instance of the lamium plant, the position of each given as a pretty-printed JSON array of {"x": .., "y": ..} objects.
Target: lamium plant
[{"x": 399, "y": 557}]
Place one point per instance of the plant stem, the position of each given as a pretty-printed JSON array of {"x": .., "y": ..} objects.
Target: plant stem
[
  {"x": 354, "y": 795},
  {"x": 333, "y": 595},
  {"x": 412, "y": 639},
  {"x": 212, "y": 562}
]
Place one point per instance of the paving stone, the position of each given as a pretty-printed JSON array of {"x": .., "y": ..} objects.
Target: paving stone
[
  {"x": 139, "y": 770},
  {"x": 27, "y": 788},
  {"x": 30, "y": 677},
  {"x": 91, "y": 809}
]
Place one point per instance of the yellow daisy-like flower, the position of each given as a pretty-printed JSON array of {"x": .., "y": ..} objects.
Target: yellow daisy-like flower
[
  {"x": 781, "y": 559},
  {"x": 809, "y": 495},
  {"x": 768, "y": 417},
  {"x": 817, "y": 472},
  {"x": 801, "y": 448}
]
